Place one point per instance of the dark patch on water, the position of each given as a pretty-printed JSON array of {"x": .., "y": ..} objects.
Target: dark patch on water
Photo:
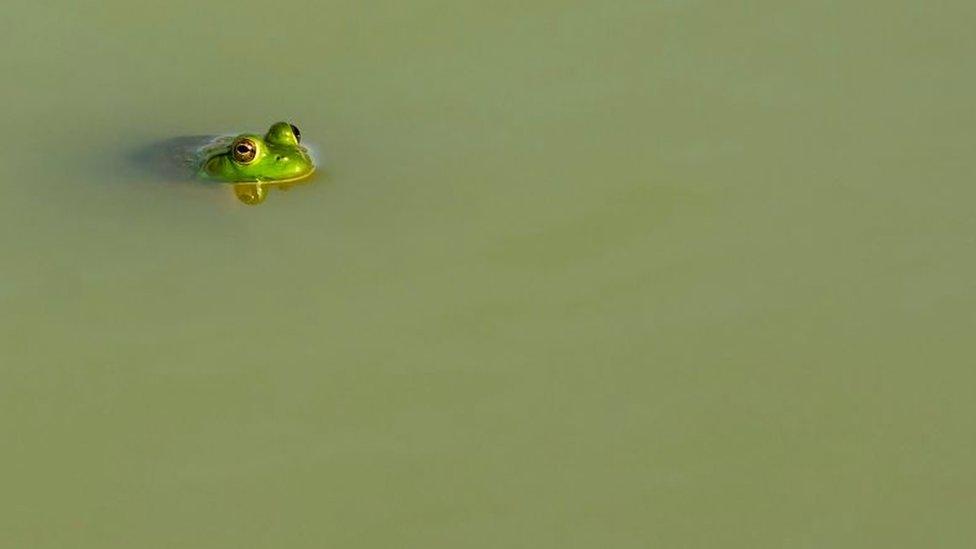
[{"x": 174, "y": 160}]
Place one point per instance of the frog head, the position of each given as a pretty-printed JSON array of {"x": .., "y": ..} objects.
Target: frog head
[{"x": 277, "y": 156}]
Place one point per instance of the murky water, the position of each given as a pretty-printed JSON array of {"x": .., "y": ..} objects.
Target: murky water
[{"x": 577, "y": 274}]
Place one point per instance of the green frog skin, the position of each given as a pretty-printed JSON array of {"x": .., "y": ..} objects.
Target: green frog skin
[{"x": 276, "y": 157}]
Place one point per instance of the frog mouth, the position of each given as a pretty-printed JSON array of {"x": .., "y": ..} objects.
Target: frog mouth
[{"x": 303, "y": 175}]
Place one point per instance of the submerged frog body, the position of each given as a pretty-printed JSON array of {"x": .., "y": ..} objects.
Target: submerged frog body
[{"x": 254, "y": 163}]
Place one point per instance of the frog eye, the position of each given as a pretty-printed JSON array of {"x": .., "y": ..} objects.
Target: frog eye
[
  {"x": 244, "y": 151},
  {"x": 298, "y": 134}
]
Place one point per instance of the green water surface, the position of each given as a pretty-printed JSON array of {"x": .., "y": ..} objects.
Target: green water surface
[{"x": 576, "y": 274}]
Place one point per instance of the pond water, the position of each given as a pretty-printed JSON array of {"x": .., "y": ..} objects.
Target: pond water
[{"x": 571, "y": 274}]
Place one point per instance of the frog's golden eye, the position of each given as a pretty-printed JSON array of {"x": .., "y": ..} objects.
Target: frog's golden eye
[
  {"x": 244, "y": 151},
  {"x": 298, "y": 134}
]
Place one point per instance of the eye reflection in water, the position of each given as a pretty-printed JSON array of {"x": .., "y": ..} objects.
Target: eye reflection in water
[{"x": 255, "y": 193}]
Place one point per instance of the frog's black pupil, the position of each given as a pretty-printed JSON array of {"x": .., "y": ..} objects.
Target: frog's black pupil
[
  {"x": 298, "y": 134},
  {"x": 242, "y": 148}
]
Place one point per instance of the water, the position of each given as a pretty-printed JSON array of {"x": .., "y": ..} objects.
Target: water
[{"x": 578, "y": 274}]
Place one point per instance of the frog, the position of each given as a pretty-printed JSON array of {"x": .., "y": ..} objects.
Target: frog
[{"x": 254, "y": 163}]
